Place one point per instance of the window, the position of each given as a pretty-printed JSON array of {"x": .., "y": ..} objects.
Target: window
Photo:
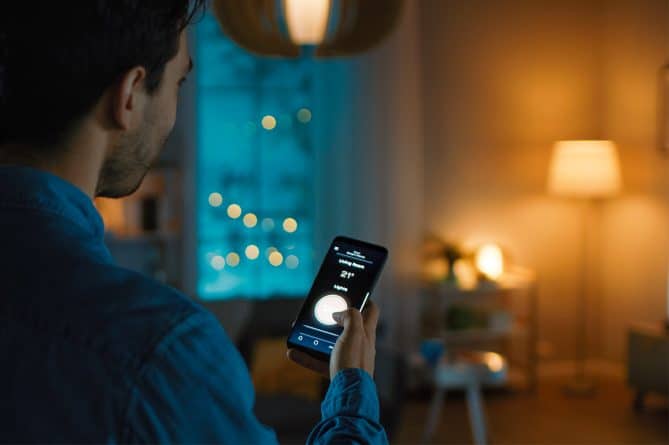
[{"x": 255, "y": 163}]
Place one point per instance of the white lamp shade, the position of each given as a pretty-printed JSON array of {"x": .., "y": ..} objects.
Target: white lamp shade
[
  {"x": 584, "y": 169},
  {"x": 307, "y": 20}
]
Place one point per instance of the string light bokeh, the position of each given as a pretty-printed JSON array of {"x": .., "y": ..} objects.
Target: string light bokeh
[{"x": 256, "y": 164}]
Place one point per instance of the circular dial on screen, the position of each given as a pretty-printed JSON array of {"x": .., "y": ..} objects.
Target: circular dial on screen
[{"x": 328, "y": 305}]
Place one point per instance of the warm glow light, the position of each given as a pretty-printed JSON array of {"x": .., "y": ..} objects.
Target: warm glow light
[
  {"x": 232, "y": 259},
  {"x": 250, "y": 220},
  {"x": 275, "y": 259},
  {"x": 465, "y": 273},
  {"x": 292, "y": 262},
  {"x": 269, "y": 122},
  {"x": 215, "y": 199},
  {"x": 304, "y": 115},
  {"x": 267, "y": 224},
  {"x": 307, "y": 20},
  {"x": 494, "y": 361},
  {"x": 217, "y": 262},
  {"x": 490, "y": 261},
  {"x": 290, "y": 225},
  {"x": 584, "y": 169},
  {"x": 234, "y": 211},
  {"x": 252, "y": 252}
]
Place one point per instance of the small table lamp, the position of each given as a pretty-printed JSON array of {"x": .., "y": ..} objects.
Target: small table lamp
[{"x": 589, "y": 171}]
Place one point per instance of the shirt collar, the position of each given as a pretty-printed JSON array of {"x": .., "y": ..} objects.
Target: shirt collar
[{"x": 27, "y": 187}]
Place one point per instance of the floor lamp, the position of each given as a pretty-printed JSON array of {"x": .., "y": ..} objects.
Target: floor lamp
[{"x": 588, "y": 171}]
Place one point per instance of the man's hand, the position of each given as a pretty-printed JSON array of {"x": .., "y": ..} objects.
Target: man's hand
[{"x": 355, "y": 347}]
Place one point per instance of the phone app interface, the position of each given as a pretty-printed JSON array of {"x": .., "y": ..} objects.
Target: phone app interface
[{"x": 344, "y": 280}]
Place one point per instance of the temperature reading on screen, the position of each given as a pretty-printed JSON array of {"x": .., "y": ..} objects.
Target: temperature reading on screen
[{"x": 346, "y": 274}]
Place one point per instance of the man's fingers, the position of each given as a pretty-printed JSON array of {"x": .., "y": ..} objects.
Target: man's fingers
[
  {"x": 350, "y": 319},
  {"x": 371, "y": 319},
  {"x": 305, "y": 360}
]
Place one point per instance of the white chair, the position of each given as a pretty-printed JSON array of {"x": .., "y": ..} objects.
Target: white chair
[{"x": 470, "y": 375}]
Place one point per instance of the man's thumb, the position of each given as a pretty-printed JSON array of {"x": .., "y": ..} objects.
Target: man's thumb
[
  {"x": 340, "y": 317},
  {"x": 350, "y": 317}
]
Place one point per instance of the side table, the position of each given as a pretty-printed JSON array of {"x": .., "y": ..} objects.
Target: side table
[{"x": 648, "y": 360}]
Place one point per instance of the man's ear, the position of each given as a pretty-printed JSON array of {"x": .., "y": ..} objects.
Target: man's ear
[{"x": 129, "y": 98}]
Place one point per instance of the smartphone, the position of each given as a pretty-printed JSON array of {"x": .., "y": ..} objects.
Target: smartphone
[{"x": 346, "y": 279}]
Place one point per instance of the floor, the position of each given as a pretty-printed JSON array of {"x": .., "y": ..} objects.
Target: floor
[{"x": 548, "y": 417}]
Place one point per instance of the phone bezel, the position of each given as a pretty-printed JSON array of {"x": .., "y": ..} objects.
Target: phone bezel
[{"x": 364, "y": 244}]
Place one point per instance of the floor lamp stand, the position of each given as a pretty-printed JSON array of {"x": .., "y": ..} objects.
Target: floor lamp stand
[{"x": 581, "y": 384}]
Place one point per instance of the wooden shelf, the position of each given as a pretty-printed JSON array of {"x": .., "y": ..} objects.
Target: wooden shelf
[
  {"x": 481, "y": 334},
  {"x": 489, "y": 289},
  {"x": 515, "y": 337}
]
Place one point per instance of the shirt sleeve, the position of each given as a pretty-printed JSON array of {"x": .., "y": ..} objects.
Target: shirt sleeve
[
  {"x": 350, "y": 412},
  {"x": 195, "y": 389}
]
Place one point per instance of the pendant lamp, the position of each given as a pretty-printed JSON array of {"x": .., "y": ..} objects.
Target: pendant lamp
[{"x": 332, "y": 28}]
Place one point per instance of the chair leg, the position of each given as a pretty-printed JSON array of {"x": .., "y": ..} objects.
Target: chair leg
[
  {"x": 433, "y": 415},
  {"x": 476, "y": 415}
]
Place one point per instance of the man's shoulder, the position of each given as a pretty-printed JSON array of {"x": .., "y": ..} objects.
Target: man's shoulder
[{"x": 132, "y": 314}]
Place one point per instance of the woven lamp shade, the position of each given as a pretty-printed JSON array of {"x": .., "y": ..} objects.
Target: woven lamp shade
[{"x": 333, "y": 27}]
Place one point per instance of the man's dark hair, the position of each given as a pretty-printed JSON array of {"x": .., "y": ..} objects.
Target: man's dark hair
[{"x": 57, "y": 57}]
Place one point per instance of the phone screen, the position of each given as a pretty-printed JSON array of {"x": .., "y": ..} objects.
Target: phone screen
[{"x": 346, "y": 279}]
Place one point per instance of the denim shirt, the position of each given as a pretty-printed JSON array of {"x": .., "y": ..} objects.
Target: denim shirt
[{"x": 92, "y": 352}]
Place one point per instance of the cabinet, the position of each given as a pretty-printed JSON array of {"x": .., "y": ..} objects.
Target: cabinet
[
  {"x": 648, "y": 360},
  {"x": 495, "y": 316}
]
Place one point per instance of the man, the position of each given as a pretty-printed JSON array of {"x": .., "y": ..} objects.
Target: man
[{"x": 92, "y": 352}]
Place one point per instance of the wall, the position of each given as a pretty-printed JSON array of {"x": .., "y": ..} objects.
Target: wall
[
  {"x": 635, "y": 251},
  {"x": 381, "y": 166},
  {"x": 501, "y": 82}
]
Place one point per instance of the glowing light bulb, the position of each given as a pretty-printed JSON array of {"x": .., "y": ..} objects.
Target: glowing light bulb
[
  {"x": 307, "y": 20},
  {"x": 290, "y": 225},
  {"x": 232, "y": 259},
  {"x": 268, "y": 122},
  {"x": 494, "y": 361},
  {"x": 250, "y": 220},
  {"x": 215, "y": 199},
  {"x": 276, "y": 259},
  {"x": 292, "y": 262},
  {"x": 252, "y": 252},
  {"x": 490, "y": 261},
  {"x": 304, "y": 115},
  {"x": 217, "y": 262},
  {"x": 234, "y": 211}
]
